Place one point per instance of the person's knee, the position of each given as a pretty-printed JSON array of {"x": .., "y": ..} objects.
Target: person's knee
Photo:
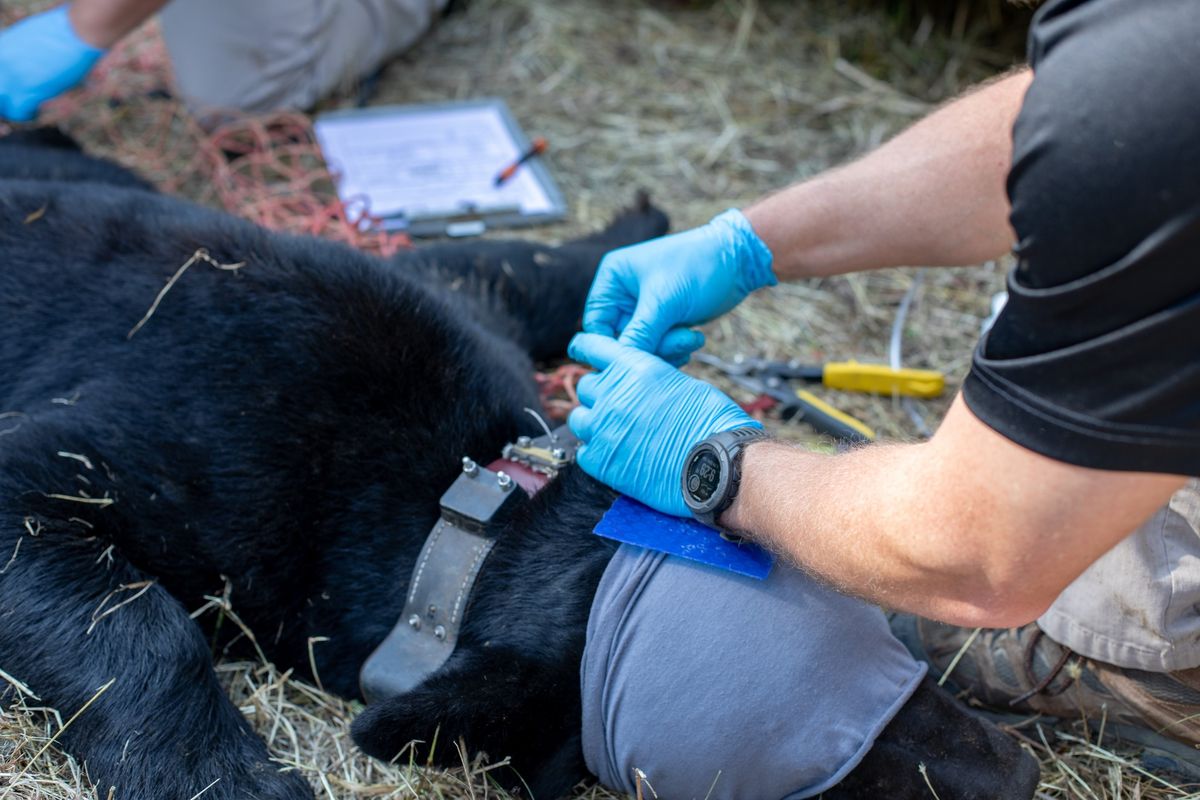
[
  {"x": 229, "y": 55},
  {"x": 1106, "y": 150},
  {"x": 284, "y": 54}
]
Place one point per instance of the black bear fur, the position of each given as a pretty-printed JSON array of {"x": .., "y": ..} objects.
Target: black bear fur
[{"x": 288, "y": 427}]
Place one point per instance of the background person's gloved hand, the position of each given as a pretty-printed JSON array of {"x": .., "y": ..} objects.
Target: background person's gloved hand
[
  {"x": 40, "y": 58},
  {"x": 640, "y": 417},
  {"x": 642, "y": 292}
]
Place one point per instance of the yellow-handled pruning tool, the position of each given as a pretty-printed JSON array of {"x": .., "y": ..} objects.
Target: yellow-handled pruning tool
[
  {"x": 772, "y": 379},
  {"x": 849, "y": 376}
]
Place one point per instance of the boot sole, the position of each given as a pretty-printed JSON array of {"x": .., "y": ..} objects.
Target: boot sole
[
  {"x": 1159, "y": 754},
  {"x": 1156, "y": 753}
]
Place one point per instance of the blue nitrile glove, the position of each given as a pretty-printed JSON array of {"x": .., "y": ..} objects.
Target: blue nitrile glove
[
  {"x": 642, "y": 292},
  {"x": 678, "y": 345},
  {"x": 40, "y": 58},
  {"x": 640, "y": 417}
]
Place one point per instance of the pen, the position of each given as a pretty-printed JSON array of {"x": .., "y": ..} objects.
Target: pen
[{"x": 536, "y": 149}]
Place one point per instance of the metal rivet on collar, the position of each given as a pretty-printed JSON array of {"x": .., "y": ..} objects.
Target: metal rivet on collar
[{"x": 449, "y": 563}]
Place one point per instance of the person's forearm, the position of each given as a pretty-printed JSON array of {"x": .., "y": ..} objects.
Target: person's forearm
[
  {"x": 968, "y": 528},
  {"x": 103, "y": 23},
  {"x": 853, "y": 520},
  {"x": 934, "y": 195}
]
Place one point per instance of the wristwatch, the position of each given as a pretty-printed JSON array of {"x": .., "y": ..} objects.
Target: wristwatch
[{"x": 712, "y": 472}]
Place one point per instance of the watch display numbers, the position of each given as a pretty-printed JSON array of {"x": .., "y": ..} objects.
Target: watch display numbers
[{"x": 703, "y": 475}]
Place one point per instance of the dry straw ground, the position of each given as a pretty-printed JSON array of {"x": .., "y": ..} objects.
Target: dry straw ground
[{"x": 704, "y": 104}]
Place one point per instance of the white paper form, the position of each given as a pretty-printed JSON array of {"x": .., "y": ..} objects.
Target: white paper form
[{"x": 434, "y": 161}]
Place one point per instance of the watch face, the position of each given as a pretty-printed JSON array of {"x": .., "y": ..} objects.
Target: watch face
[{"x": 703, "y": 475}]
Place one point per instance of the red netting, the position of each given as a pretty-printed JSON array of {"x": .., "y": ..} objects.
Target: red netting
[
  {"x": 265, "y": 168},
  {"x": 557, "y": 389}
]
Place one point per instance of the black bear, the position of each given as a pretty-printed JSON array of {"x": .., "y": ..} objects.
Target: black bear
[{"x": 282, "y": 416}]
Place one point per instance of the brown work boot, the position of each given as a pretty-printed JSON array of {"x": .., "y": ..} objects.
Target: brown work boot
[{"x": 1023, "y": 671}]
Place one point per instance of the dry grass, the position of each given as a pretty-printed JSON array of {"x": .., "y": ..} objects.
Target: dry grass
[{"x": 706, "y": 105}]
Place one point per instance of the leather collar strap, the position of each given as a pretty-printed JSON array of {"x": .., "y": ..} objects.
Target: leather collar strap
[
  {"x": 428, "y": 628},
  {"x": 440, "y": 588}
]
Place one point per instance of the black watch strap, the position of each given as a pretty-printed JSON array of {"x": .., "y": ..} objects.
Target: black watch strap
[{"x": 727, "y": 447}]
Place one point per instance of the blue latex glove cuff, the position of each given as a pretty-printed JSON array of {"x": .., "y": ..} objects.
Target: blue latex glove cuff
[
  {"x": 754, "y": 258},
  {"x": 40, "y": 58}
]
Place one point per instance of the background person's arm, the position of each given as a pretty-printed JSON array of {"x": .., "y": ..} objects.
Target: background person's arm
[
  {"x": 932, "y": 196},
  {"x": 968, "y": 528},
  {"x": 46, "y": 54},
  {"x": 103, "y": 23}
]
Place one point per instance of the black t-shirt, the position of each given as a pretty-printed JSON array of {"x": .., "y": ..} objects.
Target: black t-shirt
[{"x": 1095, "y": 360}]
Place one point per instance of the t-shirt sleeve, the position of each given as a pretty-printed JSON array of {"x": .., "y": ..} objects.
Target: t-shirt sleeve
[
  {"x": 1095, "y": 360},
  {"x": 1101, "y": 370}
]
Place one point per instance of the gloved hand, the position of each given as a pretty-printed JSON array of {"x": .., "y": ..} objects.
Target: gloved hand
[
  {"x": 640, "y": 417},
  {"x": 40, "y": 58},
  {"x": 642, "y": 292}
]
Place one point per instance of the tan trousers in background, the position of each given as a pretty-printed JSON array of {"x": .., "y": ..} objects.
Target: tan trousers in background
[
  {"x": 1139, "y": 605},
  {"x": 269, "y": 55}
]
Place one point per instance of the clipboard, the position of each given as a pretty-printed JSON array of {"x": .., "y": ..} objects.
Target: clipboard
[{"x": 429, "y": 169}]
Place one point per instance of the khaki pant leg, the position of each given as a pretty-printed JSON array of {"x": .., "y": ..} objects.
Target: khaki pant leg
[
  {"x": 1139, "y": 605},
  {"x": 269, "y": 55}
]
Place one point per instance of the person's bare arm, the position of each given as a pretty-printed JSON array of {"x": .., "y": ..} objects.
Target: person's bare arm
[
  {"x": 933, "y": 195},
  {"x": 968, "y": 528},
  {"x": 103, "y": 23}
]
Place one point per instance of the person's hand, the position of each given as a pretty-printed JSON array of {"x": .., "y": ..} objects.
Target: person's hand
[
  {"x": 639, "y": 418},
  {"x": 643, "y": 292},
  {"x": 40, "y": 58}
]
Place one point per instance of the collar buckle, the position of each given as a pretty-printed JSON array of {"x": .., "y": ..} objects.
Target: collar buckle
[{"x": 546, "y": 454}]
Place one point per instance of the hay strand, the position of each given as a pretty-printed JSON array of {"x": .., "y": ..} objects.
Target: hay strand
[{"x": 201, "y": 254}]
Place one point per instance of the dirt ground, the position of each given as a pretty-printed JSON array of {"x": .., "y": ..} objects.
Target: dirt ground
[{"x": 706, "y": 105}]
